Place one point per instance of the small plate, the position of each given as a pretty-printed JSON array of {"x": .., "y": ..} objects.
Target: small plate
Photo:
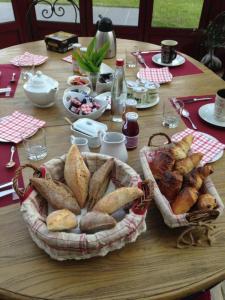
[
  {"x": 147, "y": 105},
  {"x": 179, "y": 60},
  {"x": 209, "y": 137},
  {"x": 206, "y": 112}
]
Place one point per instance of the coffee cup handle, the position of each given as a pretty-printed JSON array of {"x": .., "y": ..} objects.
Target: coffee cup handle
[{"x": 174, "y": 55}]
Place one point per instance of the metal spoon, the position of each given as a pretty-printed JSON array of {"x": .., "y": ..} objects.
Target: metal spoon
[
  {"x": 11, "y": 163},
  {"x": 12, "y": 80},
  {"x": 185, "y": 113}
]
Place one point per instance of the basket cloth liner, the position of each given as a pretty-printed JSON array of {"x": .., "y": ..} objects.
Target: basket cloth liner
[
  {"x": 67, "y": 245},
  {"x": 172, "y": 220}
]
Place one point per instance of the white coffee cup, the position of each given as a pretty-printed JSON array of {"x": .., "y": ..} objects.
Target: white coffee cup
[
  {"x": 219, "y": 109},
  {"x": 82, "y": 143}
]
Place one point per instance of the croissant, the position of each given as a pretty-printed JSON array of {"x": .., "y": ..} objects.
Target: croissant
[
  {"x": 206, "y": 201},
  {"x": 186, "y": 165},
  {"x": 196, "y": 177},
  {"x": 170, "y": 184},
  {"x": 163, "y": 161},
  {"x": 180, "y": 150},
  {"x": 185, "y": 200}
]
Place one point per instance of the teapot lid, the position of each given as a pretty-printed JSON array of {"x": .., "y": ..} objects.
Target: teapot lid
[
  {"x": 39, "y": 81},
  {"x": 105, "y": 24}
]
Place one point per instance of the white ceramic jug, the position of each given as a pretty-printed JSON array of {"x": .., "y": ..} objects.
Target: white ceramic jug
[{"x": 113, "y": 144}]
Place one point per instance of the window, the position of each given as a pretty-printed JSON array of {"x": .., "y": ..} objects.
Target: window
[
  {"x": 6, "y": 12},
  {"x": 177, "y": 13},
  {"x": 121, "y": 12}
]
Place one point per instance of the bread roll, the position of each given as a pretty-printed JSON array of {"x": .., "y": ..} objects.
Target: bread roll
[
  {"x": 96, "y": 221},
  {"x": 206, "y": 201},
  {"x": 77, "y": 175},
  {"x": 185, "y": 200},
  {"x": 186, "y": 165},
  {"x": 117, "y": 199},
  {"x": 56, "y": 193},
  {"x": 60, "y": 220}
]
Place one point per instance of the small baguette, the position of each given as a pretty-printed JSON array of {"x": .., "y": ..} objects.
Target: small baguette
[
  {"x": 117, "y": 199},
  {"x": 60, "y": 220},
  {"x": 96, "y": 221}
]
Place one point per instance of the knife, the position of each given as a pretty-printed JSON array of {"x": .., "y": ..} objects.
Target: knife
[
  {"x": 7, "y": 192},
  {"x": 6, "y": 184},
  {"x": 197, "y": 99}
]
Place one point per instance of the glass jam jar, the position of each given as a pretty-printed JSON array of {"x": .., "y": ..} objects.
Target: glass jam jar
[
  {"x": 131, "y": 130},
  {"x": 152, "y": 91},
  {"x": 130, "y": 106},
  {"x": 140, "y": 94}
]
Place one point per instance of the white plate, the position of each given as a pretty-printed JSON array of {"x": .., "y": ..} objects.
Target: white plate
[
  {"x": 206, "y": 112},
  {"x": 105, "y": 69},
  {"x": 209, "y": 137},
  {"x": 179, "y": 60},
  {"x": 147, "y": 105}
]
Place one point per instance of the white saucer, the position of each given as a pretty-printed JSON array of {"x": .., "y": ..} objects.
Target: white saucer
[
  {"x": 179, "y": 60},
  {"x": 209, "y": 137},
  {"x": 147, "y": 105},
  {"x": 206, "y": 112}
]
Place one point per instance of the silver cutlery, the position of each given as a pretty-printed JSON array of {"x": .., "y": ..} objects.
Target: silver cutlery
[
  {"x": 12, "y": 80},
  {"x": 7, "y": 192},
  {"x": 197, "y": 99},
  {"x": 141, "y": 60},
  {"x": 4, "y": 185},
  {"x": 11, "y": 163},
  {"x": 185, "y": 113},
  {"x": 5, "y": 90}
]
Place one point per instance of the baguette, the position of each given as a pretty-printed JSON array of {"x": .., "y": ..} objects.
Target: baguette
[
  {"x": 77, "y": 175},
  {"x": 117, "y": 199}
]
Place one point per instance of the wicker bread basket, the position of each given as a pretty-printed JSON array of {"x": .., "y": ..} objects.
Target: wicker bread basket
[
  {"x": 172, "y": 220},
  {"x": 72, "y": 245}
]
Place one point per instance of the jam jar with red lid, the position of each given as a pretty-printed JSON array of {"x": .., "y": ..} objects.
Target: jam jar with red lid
[{"x": 131, "y": 130}]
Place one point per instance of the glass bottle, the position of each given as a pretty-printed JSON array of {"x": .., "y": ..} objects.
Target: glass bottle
[
  {"x": 118, "y": 92},
  {"x": 130, "y": 106},
  {"x": 75, "y": 65},
  {"x": 131, "y": 130}
]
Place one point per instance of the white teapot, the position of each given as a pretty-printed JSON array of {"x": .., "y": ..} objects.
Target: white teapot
[{"x": 40, "y": 89}]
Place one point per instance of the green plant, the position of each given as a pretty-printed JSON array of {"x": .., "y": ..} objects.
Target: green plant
[{"x": 92, "y": 59}]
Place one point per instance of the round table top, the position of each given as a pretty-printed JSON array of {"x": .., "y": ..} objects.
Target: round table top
[{"x": 152, "y": 267}]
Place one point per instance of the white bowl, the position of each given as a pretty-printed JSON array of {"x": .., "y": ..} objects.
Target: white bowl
[
  {"x": 93, "y": 115},
  {"x": 70, "y": 78},
  {"x": 78, "y": 89}
]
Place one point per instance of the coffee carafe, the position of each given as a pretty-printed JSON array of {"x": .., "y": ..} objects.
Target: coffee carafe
[{"x": 106, "y": 33}]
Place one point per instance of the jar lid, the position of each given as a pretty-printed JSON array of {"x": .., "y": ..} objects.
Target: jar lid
[
  {"x": 132, "y": 116},
  {"x": 139, "y": 89},
  {"x": 119, "y": 62},
  {"x": 151, "y": 85},
  {"x": 131, "y": 102}
]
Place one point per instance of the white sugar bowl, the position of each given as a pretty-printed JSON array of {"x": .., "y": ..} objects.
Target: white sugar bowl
[{"x": 41, "y": 90}]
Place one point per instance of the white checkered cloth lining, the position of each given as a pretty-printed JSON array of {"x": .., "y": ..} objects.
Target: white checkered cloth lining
[
  {"x": 68, "y": 59},
  {"x": 159, "y": 75},
  {"x": 28, "y": 59},
  {"x": 209, "y": 147},
  {"x": 71, "y": 245},
  {"x": 18, "y": 125}
]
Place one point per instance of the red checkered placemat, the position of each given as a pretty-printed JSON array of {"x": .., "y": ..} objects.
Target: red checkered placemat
[
  {"x": 159, "y": 75},
  {"x": 209, "y": 147},
  {"x": 68, "y": 59},
  {"x": 13, "y": 127},
  {"x": 28, "y": 59}
]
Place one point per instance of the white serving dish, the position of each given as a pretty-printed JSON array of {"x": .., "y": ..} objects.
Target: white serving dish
[
  {"x": 89, "y": 129},
  {"x": 93, "y": 115},
  {"x": 85, "y": 78}
]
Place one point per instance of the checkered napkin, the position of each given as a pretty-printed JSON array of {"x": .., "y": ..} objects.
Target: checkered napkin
[
  {"x": 13, "y": 127},
  {"x": 28, "y": 59},
  {"x": 159, "y": 75},
  {"x": 68, "y": 59},
  {"x": 209, "y": 147}
]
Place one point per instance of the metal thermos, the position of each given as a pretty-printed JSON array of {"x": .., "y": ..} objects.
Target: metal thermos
[{"x": 106, "y": 33}]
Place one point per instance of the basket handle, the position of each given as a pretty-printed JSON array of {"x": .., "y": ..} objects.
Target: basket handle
[
  {"x": 156, "y": 134},
  {"x": 20, "y": 192}
]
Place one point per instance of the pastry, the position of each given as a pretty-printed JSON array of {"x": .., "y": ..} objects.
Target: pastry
[
  {"x": 60, "y": 220},
  {"x": 99, "y": 182},
  {"x": 170, "y": 184},
  {"x": 96, "y": 221},
  {"x": 180, "y": 149},
  {"x": 186, "y": 165},
  {"x": 184, "y": 201},
  {"x": 56, "y": 193},
  {"x": 206, "y": 201},
  {"x": 77, "y": 175},
  {"x": 117, "y": 199},
  {"x": 163, "y": 161},
  {"x": 197, "y": 176}
]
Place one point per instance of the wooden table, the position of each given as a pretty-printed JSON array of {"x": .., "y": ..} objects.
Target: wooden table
[{"x": 151, "y": 268}]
